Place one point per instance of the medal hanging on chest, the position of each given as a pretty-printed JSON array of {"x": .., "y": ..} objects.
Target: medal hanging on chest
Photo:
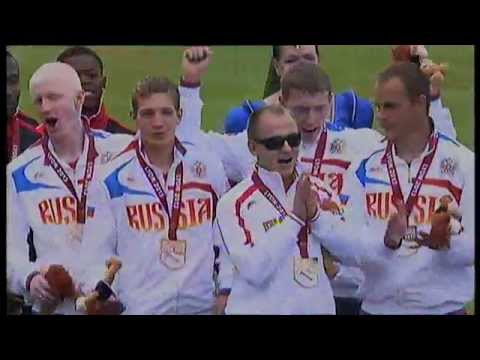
[
  {"x": 410, "y": 244},
  {"x": 173, "y": 252},
  {"x": 305, "y": 269}
]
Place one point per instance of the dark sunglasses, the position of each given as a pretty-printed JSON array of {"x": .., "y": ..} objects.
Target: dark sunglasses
[{"x": 276, "y": 142}]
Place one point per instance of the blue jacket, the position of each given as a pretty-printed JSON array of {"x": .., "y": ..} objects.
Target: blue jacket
[{"x": 350, "y": 111}]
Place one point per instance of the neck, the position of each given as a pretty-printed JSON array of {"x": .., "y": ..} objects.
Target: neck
[
  {"x": 288, "y": 181},
  {"x": 69, "y": 146},
  {"x": 160, "y": 155},
  {"x": 412, "y": 145}
]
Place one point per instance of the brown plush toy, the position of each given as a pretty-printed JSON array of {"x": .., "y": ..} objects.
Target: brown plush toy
[
  {"x": 60, "y": 281},
  {"x": 445, "y": 222},
  {"x": 418, "y": 54}
]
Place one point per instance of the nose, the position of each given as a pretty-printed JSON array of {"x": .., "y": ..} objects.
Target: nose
[
  {"x": 286, "y": 147},
  {"x": 157, "y": 121}
]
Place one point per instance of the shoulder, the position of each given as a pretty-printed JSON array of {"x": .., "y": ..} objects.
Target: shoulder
[
  {"x": 115, "y": 127},
  {"x": 456, "y": 153},
  {"x": 107, "y": 143},
  {"x": 32, "y": 153},
  {"x": 237, "y": 195},
  {"x": 112, "y": 175}
]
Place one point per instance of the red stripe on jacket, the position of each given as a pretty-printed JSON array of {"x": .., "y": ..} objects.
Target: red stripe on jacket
[
  {"x": 243, "y": 197},
  {"x": 446, "y": 184}
]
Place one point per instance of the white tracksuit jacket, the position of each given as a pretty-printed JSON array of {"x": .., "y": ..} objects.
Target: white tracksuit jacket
[
  {"x": 133, "y": 222},
  {"x": 410, "y": 281},
  {"x": 37, "y": 199}
]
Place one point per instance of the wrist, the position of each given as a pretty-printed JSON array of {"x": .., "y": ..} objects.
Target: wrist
[{"x": 190, "y": 81}]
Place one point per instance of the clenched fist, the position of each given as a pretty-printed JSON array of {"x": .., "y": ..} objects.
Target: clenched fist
[{"x": 195, "y": 62}]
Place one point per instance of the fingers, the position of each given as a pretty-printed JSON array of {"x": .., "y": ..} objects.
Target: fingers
[
  {"x": 198, "y": 53},
  {"x": 401, "y": 209}
]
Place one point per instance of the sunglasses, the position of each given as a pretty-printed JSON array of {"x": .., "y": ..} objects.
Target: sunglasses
[{"x": 276, "y": 142}]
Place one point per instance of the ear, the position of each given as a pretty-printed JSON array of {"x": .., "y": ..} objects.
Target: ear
[
  {"x": 79, "y": 100},
  {"x": 179, "y": 115},
  {"x": 104, "y": 82},
  {"x": 252, "y": 146},
  {"x": 421, "y": 100},
  {"x": 276, "y": 66}
]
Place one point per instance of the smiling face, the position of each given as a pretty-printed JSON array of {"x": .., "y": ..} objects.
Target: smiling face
[
  {"x": 92, "y": 79},
  {"x": 276, "y": 142},
  {"x": 310, "y": 111},
  {"x": 290, "y": 55}
]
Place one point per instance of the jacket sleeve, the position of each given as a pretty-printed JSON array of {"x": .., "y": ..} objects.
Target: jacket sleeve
[
  {"x": 258, "y": 262},
  {"x": 18, "y": 263},
  {"x": 231, "y": 149},
  {"x": 351, "y": 239},
  {"x": 189, "y": 128},
  {"x": 442, "y": 119},
  {"x": 462, "y": 246}
]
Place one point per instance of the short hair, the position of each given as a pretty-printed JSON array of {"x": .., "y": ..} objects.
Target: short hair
[
  {"x": 305, "y": 77},
  {"x": 155, "y": 85},
  {"x": 257, "y": 115},
  {"x": 56, "y": 70},
  {"x": 416, "y": 83},
  {"x": 80, "y": 50},
  {"x": 276, "y": 51}
]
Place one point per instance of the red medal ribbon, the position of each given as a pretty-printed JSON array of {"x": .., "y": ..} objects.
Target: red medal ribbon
[
  {"x": 302, "y": 235},
  {"x": 417, "y": 184},
  {"x": 319, "y": 152},
  {"x": 51, "y": 160},
  {"x": 173, "y": 218}
]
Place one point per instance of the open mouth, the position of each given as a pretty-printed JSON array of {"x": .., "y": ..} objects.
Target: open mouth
[
  {"x": 310, "y": 131},
  {"x": 285, "y": 161},
  {"x": 51, "y": 121}
]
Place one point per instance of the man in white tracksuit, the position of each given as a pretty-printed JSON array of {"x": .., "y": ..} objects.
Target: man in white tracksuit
[
  {"x": 262, "y": 227},
  {"x": 411, "y": 266},
  {"x": 157, "y": 201},
  {"x": 327, "y": 151},
  {"x": 47, "y": 188}
]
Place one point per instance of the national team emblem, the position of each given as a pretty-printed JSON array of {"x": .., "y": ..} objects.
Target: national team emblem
[
  {"x": 448, "y": 166},
  {"x": 336, "y": 147},
  {"x": 106, "y": 157},
  {"x": 199, "y": 169}
]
